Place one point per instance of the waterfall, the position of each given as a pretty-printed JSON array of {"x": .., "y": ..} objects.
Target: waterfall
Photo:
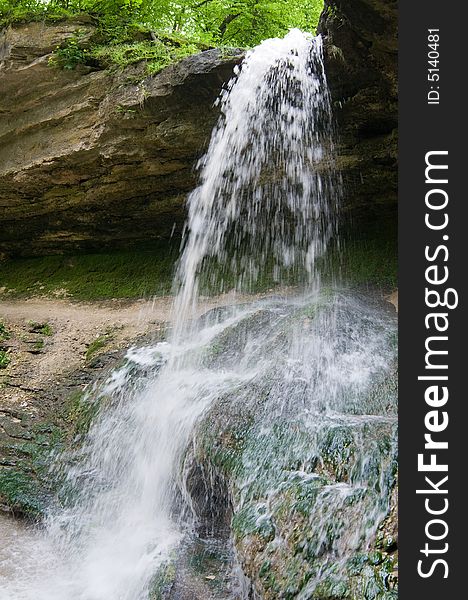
[
  {"x": 268, "y": 191},
  {"x": 265, "y": 208}
]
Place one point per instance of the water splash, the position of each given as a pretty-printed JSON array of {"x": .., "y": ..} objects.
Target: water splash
[{"x": 312, "y": 418}]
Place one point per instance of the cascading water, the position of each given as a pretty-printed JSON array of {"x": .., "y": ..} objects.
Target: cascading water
[
  {"x": 266, "y": 204},
  {"x": 291, "y": 372}
]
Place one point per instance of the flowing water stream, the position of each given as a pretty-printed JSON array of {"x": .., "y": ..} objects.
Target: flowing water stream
[{"x": 301, "y": 366}]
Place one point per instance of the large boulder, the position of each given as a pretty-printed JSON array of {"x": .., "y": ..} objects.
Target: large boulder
[{"x": 301, "y": 459}]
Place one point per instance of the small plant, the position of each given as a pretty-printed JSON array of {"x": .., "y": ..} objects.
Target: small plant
[
  {"x": 4, "y": 359},
  {"x": 124, "y": 110},
  {"x": 97, "y": 344},
  {"x": 42, "y": 328},
  {"x": 4, "y": 333},
  {"x": 69, "y": 55},
  {"x": 39, "y": 345},
  {"x": 157, "y": 54}
]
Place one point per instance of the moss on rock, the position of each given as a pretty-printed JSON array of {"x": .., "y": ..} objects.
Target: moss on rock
[{"x": 301, "y": 491}]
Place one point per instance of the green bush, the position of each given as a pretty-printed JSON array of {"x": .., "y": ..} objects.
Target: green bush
[
  {"x": 70, "y": 54},
  {"x": 156, "y": 54}
]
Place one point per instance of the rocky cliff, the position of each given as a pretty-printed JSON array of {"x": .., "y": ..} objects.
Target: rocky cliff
[
  {"x": 361, "y": 45},
  {"x": 93, "y": 158}
]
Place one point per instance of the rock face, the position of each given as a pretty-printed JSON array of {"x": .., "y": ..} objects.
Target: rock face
[
  {"x": 92, "y": 158},
  {"x": 52, "y": 362},
  {"x": 361, "y": 46}
]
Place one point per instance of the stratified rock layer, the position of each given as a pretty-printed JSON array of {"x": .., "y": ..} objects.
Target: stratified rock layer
[{"x": 90, "y": 158}]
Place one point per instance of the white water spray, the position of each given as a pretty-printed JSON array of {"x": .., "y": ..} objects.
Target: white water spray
[{"x": 266, "y": 203}]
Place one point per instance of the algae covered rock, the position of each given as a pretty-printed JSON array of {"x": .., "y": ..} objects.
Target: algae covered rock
[{"x": 301, "y": 458}]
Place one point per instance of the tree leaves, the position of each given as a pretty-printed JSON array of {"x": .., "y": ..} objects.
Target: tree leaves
[{"x": 215, "y": 22}]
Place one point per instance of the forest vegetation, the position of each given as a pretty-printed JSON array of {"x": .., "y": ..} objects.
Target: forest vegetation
[{"x": 162, "y": 31}]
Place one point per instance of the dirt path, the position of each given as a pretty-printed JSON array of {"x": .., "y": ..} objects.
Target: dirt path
[{"x": 48, "y": 338}]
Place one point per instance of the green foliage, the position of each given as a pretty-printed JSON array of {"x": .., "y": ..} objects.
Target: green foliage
[
  {"x": 21, "y": 492},
  {"x": 80, "y": 410},
  {"x": 98, "y": 344},
  {"x": 216, "y": 22},
  {"x": 4, "y": 354},
  {"x": 248, "y": 22},
  {"x": 161, "y": 32},
  {"x": 39, "y": 344},
  {"x": 4, "y": 359},
  {"x": 42, "y": 328},
  {"x": 70, "y": 54},
  {"x": 4, "y": 333},
  {"x": 156, "y": 54}
]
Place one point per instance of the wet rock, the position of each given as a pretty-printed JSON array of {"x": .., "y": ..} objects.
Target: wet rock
[
  {"x": 311, "y": 497},
  {"x": 361, "y": 44},
  {"x": 275, "y": 470},
  {"x": 50, "y": 419}
]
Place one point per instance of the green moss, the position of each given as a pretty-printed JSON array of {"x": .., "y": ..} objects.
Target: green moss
[
  {"x": 79, "y": 411},
  {"x": 28, "y": 487},
  {"x": 250, "y": 520},
  {"x": 369, "y": 259},
  {"x": 38, "y": 345},
  {"x": 148, "y": 272},
  {"x": 163, "y": 580},
  {"x": 273, "y": 500},
  {"x": 336, "y": 451},
  {"x": 5, "y": 357},
  {"x": 50, "y": 12},
  {"x": 4, "y": 333},
  {"x": 157, "y": 53},
  {"x": 121, "y": 274},
  {"x": 21, "y": 492},
  {"x": 365, "y": 260},
  {"x": 118, "y": 43}
]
